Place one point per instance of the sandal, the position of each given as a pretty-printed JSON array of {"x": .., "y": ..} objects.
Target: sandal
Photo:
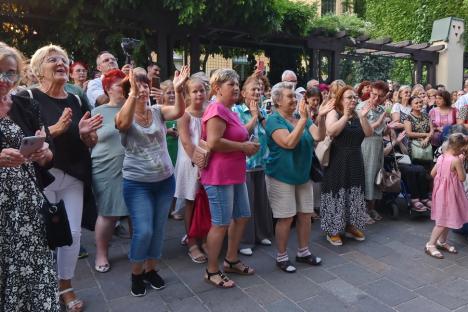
[
  {"x": 286, "y": 266},
  {"x": 417, "y": 206},
  {"x": 375, "y": 215},
  {"x": 237, "y": 267},
  {"x": 103, "y": 268},
  {"x": 310, "y": 259},
  {"x": 222, "y": 283},
  {"x": 369, "y": 220},
  {"x": 432, "y": 251},
  {"x": 75, "y": 305},
  {"x": 196, "y": 255},
  {"x": 445, "y": 246}
]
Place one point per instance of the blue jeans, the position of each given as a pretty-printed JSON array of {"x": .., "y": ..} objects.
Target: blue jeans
[
  {"x": 227, "y": 202},
  {"x": 148, "y": 204}
]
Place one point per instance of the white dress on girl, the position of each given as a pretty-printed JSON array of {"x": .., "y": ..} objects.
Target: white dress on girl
[{"x": 186, "y": 174}]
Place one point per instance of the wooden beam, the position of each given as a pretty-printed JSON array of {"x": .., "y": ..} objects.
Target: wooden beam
[
  {"x": 400, "y": 44},
  {"x": 418, "y": 46},
  {"x": 380, "y": 41}
]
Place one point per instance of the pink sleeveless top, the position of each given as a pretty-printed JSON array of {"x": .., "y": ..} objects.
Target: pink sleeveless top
[{"x": 225, "y": 168}]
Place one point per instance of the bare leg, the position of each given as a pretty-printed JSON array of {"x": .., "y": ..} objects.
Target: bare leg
[
  {"x": 282, "y": 230},
  {"x": 137, "y": 268},
  {"x": 150, "y": 265},
  {"x": 303, "y": 229},
  {"x": 214, "y": 242},
  {"x": 188, "y": 218},
  {"x": 235, "y": 232},
  {"x": 103, "y": 234},
  {"x": 444, "y": 235},
  {"x": 436, "y": 233}
]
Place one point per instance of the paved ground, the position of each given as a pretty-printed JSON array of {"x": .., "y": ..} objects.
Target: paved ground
[{"x": 387, "y": 272}]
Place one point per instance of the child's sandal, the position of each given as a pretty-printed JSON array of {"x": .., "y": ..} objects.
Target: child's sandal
[
  {"x": 224, "y": 281},
  {"x": 445, "y": 246},
  {"x": 237, "y": 267},
  {"x": 432, "y": 251}
]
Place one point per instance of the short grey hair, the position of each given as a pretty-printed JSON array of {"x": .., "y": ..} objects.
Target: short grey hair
[
  {"x": 277, "y": 91},
  {"x": 222, "y": 75},
  {"x": 39, "y": 57},
  {"x": 287, "y": 72}
]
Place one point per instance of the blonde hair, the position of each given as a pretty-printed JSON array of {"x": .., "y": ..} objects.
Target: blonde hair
[
  {"x": 221, "y": 76},
  {"x": 335, "y": 86},
  {"x": 456, "y": 142},
  {"x": 7, "y": 51},
  {"x": 37, "y": 60}
]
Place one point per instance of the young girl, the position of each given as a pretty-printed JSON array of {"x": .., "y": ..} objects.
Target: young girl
[
  {"x": 449, "y": 202},
  {"x": 189, "y": 126}
]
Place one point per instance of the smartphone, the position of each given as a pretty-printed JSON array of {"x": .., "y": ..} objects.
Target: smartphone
[
  {"x": 155, "y": 82},
  {"x": 31, "y": 144},
  {"x": 253, "y": 138}
]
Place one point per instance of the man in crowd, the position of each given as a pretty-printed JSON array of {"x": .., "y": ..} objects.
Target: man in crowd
[
  {"x": 465, "y": 86},
  {"x": 289, "y": 76},
  {"x": 105, "y": 62},
  {"x": 313, "y": 83}
]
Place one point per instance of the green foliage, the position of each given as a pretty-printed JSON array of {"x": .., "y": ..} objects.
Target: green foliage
[
  {"x": 331, "y": 24},
  {"x": 403, "y": 19},
  {"x": 368, "y": 68}
]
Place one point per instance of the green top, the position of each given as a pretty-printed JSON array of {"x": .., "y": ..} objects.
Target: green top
[
  {"x": 291, "y": 166},
  {"x": 258, "y": 159},
  {"x": 172, "y": 141}
]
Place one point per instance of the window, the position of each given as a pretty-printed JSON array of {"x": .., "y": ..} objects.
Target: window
[{"x": 328, "y": 6}]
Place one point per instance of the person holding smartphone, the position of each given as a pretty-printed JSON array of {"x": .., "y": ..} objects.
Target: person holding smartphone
[{"x": 28, "y": 277}]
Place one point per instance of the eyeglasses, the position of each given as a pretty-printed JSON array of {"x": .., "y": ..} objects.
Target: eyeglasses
[
  {"x": 56, "y": 59},
  {"x": 11, "y": 77},
  {"x": 351, "y": 97},
  {"x": 109, "y": 59}
]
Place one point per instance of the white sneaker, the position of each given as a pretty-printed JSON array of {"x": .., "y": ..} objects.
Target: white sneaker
[
  {"x": 246, "y": 251},
  {"x": 265, "y": 242}
]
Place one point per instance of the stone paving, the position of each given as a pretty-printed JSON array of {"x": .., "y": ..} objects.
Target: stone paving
[{"x": 387, "y": 272}]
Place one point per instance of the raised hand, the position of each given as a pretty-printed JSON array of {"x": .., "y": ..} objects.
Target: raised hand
[
  {"x": 180, "y": 78},
  {"x": 365, "y": 110},
  {"x": 127, "y": 68},
  {"x": 134, "y": 90},
  {"x": 156, "y": 94},
  {"x": 89, "y": 124},
  {"x": 253, "y": 107},
  {"x": 65, "y": 120},
  {"x": 401, "y": 136},
  {"x": 303, "y": 109},
  {"x": 325, "y": 108}
]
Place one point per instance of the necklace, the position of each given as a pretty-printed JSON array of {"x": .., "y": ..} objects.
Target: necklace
[{"x": 144, "y": 119}]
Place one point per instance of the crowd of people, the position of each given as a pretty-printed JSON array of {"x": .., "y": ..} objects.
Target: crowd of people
[{"x": 120, "y": 146}]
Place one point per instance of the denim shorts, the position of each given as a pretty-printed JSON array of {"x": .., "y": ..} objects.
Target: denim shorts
[{"x": 227, "y": 202}]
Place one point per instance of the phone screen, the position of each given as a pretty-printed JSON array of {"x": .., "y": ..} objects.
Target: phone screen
[{"x": 155, "y": 83}]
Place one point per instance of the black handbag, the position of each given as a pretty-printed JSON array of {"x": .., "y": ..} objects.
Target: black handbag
[
  {"x": 316, "y": 172},
  {"x": 56, "y": 223}
]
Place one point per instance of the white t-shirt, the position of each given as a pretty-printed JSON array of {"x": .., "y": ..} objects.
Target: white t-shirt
[
  {"x": 398, "y": 108},
  {"x": 462, "y": 101}
]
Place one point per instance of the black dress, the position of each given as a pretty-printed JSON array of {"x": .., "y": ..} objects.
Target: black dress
[
  {"x": 342, "y": 201},
  {"x": 27, "y": 275}
]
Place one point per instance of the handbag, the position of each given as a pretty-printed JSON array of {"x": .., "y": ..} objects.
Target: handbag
[
  {"x": 201, "y": 154},
  {"x": 322, "y": 151},
  {"x": 57, "y": 227},
  {"x": 421, "y": 153},
  {"x": 201, "y": 218},
  {"x": 389, "y": 181},
  {"x": 316, "y": 172}
]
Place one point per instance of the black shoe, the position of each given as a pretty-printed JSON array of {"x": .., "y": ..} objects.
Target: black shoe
[
  {"x": 153, "y": 278},
  {"x": 138, "y": 285},
  {"x": 310, "y": 259}
]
